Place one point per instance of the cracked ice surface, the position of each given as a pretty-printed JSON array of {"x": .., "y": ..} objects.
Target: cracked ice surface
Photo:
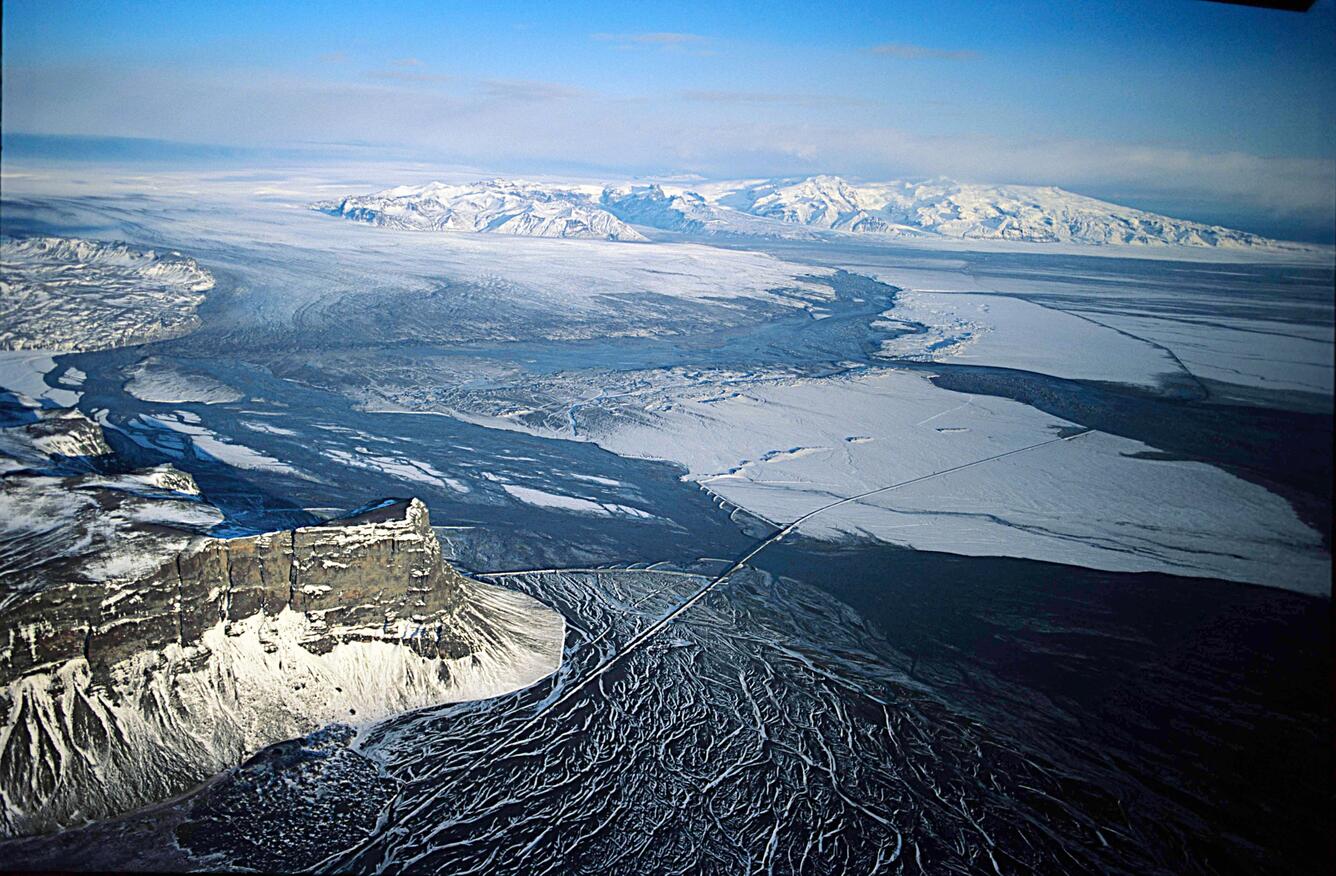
[
  {"x": 1216, "y": 325},
  {"x": 785, "y": 449},
  {"x": 1005, "y": 332}
]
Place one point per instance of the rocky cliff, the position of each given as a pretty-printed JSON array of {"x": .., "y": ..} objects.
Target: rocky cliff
[{"x": 139, "y": 656}]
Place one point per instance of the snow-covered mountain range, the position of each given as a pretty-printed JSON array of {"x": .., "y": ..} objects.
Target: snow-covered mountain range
[
  {"x": 945, "y": 208},
  {"x": 491, "y": 206},
  {"x": 688, "y": 212},
  {"x": 810, "y": 207}
]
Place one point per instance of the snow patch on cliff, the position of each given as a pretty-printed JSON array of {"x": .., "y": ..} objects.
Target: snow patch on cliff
[{"x": 72, "y": 749}]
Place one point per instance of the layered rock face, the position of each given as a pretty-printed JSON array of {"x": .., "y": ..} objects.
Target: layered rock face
[
  {"x": 374, "y": 575},
  {"x": 146, "y": 656}
]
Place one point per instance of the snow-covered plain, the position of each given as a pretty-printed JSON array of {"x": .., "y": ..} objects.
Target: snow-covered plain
[
  {"x": 1248, "y": 352},
  {"x": 784, "y": 450},
  {"x": 23, "y": 372},
  {"x": 1005, "y": 332},
  {"x": 153, "y": 381}
]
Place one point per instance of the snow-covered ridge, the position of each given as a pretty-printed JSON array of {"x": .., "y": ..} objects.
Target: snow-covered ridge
[
  {"x": 805, "y": 207},
  {"x": 946, "y": 208},
  {"x": 490, "y": 206},
  {"x": 139, "y": 656},
  {"x": 59, "y": 293},
  {"x": 687, "y": 212}
]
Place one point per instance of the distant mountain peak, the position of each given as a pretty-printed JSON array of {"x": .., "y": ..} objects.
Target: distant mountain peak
[
  {"x": 943, "y": 207},
  {"x": 937, "y": 207},
  {"x": 495, "y": 206}
]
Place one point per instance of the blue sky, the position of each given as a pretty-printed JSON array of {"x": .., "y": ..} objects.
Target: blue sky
[{"x": 1216, "y": 111}]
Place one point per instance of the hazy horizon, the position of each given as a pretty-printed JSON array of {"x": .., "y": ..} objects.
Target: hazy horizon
[{"x": 1203, "y": 111}]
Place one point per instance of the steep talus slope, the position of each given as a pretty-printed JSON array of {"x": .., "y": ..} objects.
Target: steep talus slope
[{"x": 140, "y": 656}]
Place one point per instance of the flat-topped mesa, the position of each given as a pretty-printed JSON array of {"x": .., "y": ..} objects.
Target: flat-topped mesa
[
  {"x": 140, "y": 656},
  {"x": 374, "y": 574}
]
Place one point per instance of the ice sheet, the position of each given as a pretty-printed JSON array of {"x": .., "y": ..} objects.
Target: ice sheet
[
  {"x": 1005, "y": 332},
  {"x": 783, "y": 450},
  {"x": 155, "y": 381}
]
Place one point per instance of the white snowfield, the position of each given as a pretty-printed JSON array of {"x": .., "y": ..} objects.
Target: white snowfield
[
  {"x": 1005, "y": 332},
  {"x": 60, "y": 293},
  {"x": 918, "y": 210},
  {"x": 491, "y": 206},
  {"x": 248, "y": 684},
  {"x": 152, "y": 380},
  {"x": 23, "y": 372},
  {"x": 943, "y": 207},
  {"x": 783, "y": 450}
]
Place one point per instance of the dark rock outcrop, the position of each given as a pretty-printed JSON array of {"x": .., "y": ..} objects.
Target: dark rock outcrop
[
  {"x": 139, "y": 655},
  {"x": 374, "y": 574}
]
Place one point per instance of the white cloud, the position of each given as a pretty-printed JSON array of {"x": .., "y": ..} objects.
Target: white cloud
[
  {"x": 685, "y": 43},
  {"x": 714, "y": 133}
]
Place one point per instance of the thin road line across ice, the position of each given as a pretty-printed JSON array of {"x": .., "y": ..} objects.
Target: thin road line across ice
[{"x": 653, "y": 629}]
